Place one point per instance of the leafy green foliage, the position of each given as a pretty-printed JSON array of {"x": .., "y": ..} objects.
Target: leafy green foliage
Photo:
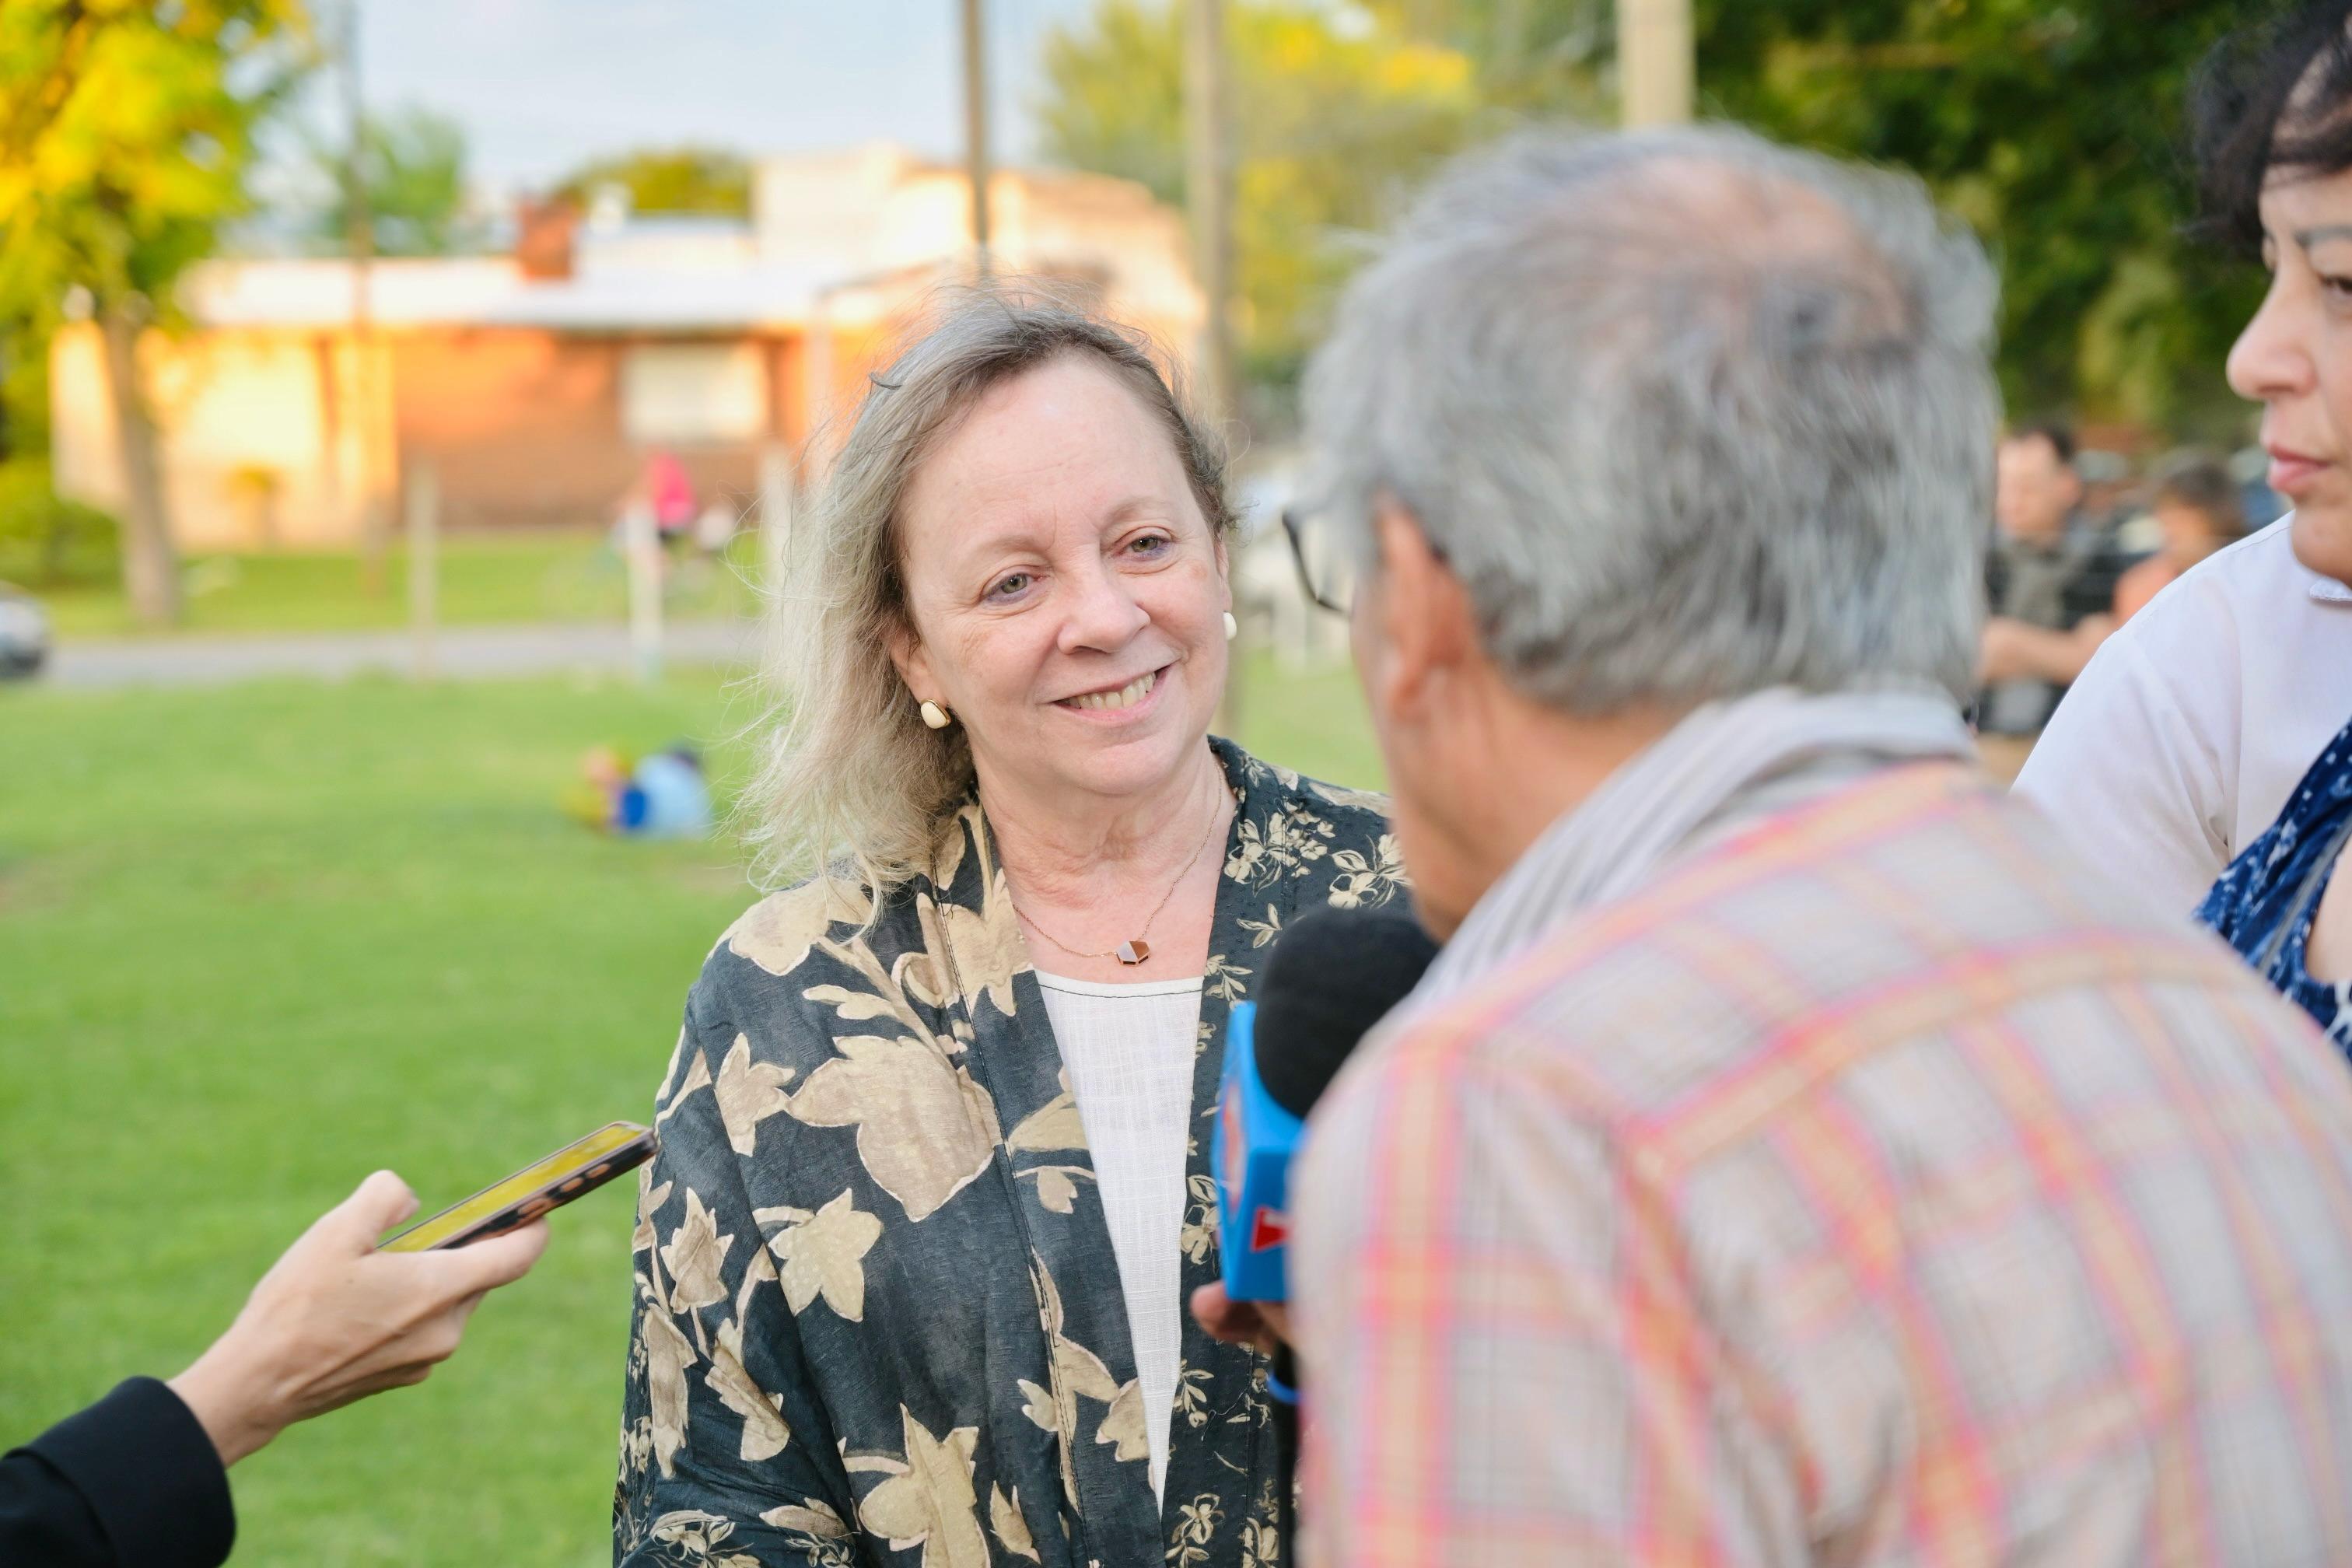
[
  {"x": 413, "y": 164},
  {"x": 47, "y": 542},
  {"x": 1332, "y": 121},
  {"x": 1541, "y": 57},
  {"x": 126, "y": 131},
  {"x": 671, "y": 180},
  {"x": 2057, "y": 132},
  {"x": 24, "y": 388}
]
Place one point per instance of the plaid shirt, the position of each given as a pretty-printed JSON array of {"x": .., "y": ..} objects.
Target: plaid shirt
[{"x": 1875, "y": 1186}]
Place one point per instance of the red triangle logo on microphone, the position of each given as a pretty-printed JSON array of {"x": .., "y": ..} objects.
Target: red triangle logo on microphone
[{"x": 1268, "y": 1228}]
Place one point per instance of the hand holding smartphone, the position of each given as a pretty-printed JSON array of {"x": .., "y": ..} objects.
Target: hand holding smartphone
[{"x": 537, "y": 1189}]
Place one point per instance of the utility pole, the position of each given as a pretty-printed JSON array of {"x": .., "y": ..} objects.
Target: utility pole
[
  {"x": 641, "y": 553},
  {"x": 775, "y": 514},
  {"x": 423, "y": 567},
  {"x": 1656, "y": 69},
  {"x": 975, "y": 131},
  {"x": 1208, "y": 192},
  {"x": 1208, "y": 189},
  {"x": 360, "y": 240}
]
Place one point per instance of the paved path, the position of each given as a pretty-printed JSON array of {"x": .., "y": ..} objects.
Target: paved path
[{"x": 459, "y": 652}]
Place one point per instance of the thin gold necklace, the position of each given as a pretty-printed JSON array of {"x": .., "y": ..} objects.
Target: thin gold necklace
[{"x": 1134, "y": 950}]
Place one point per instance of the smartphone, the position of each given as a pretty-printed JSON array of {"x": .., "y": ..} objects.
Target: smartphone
[{"x": 536, "y": 1189}]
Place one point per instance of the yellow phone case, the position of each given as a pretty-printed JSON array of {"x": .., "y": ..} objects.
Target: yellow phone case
[{"x": 536, "y": 1189}]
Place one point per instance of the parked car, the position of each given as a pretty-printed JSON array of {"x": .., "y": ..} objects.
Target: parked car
[{"x": 24, "y": 633}]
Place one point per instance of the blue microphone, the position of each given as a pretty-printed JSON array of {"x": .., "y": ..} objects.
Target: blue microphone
[
  {"x": 1333, "y": 974},
  {"x": 1250, "y": 1150}
]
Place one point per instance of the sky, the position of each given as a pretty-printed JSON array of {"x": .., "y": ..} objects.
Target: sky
[{"x": 542, "y": 85}]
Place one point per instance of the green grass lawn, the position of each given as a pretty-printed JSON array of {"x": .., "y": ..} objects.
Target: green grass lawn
[
  {"x": 257, "y": 941},
  {"x": 537, "y": 575}
]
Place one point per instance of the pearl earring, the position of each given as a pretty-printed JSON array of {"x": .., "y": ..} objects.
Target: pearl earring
[
  {"x": 935, "y": 716},
  {"x": 1233, "y": 626}
]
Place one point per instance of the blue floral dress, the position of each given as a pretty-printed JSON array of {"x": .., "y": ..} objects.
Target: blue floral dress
[{"x": 2263, "y": 904}]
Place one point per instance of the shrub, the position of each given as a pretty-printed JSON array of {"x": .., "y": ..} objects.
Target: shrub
[{"x": 48, "y": 541}]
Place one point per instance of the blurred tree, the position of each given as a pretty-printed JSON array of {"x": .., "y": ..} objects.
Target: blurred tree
[
  {"x": 414, "y": 161},
  {"x": 2055, "y": 129},
  {"x": 671, "y": 180},
  {"x": 24, "y": 387},
  {"x": 126, "y": 131},
  {"x": 1541, "y": 57},
  {"x": 1335, "y": 114}
]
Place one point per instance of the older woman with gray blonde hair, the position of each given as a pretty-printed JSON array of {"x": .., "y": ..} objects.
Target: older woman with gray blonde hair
[{"x": 933, "y": 1186}]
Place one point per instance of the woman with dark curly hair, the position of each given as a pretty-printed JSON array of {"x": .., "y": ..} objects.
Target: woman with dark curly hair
[{"x": 2186, "y": 754}]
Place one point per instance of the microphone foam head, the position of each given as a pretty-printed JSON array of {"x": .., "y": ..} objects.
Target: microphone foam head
[{"x": 1334, "y": 974}]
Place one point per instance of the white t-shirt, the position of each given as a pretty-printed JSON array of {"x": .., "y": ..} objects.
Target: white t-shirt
[
  {"x": 2193, "y": 723},
  {"x": 1130, "y": 1052}
]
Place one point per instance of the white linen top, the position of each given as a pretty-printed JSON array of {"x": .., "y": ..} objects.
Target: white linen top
[
  {"x": 1129, "y": 1051},
  {"x": 2194, "y": 722}
]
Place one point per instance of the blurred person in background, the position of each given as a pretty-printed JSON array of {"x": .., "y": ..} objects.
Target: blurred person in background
[
  {"x": 670, "y": 493},
  {"x": 665, "y": 795},
  {"x": 2200, "y": 509},
  {"x": 2050, "y": 576},
  {"x": 140, "y": 1478},
  {"x": 932, "y": 1189},
  {"x": 1797, "y": 1153},
  {"x": 2218, "y": 706}
]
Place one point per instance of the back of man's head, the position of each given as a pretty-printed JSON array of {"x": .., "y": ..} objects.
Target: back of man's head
[{"x": 1689, "y": 413}]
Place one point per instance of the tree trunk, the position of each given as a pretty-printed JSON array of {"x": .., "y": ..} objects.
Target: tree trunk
[{"x": 150, "y": 565}]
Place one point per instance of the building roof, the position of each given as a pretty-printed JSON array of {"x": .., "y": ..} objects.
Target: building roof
[
  {"x": 493, "y": 292},
  {"x": 305, "y": 292},
  {"x": 825, "y": 222}
]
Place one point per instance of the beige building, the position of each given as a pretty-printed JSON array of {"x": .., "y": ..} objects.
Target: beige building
[{"x": 537, "y": 383}]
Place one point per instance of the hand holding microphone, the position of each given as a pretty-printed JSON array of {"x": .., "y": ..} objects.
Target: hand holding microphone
[{"x": 1334, "y": 975}]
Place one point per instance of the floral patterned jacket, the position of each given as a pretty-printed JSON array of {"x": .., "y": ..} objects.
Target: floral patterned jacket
[{"x": 878, "y": 1318}]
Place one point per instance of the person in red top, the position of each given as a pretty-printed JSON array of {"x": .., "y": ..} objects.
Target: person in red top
[{"x": 670, "y": 492}]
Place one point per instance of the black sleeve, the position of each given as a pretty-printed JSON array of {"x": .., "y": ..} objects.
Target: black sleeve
[
  {"x": 2092, "y": 590},
  {"x": 133, "y": 1479}
]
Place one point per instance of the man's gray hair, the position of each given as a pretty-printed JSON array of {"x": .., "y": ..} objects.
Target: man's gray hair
[{"x": 1689, "y": 413}]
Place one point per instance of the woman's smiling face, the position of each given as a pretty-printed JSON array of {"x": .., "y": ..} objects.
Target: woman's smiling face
[
  {"x": 2296, "y": 359},
  {"x": 1066, "y": 593}
]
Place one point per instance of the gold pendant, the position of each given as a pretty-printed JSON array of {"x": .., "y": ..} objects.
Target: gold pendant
[{"x": 1134, "y": 952}]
